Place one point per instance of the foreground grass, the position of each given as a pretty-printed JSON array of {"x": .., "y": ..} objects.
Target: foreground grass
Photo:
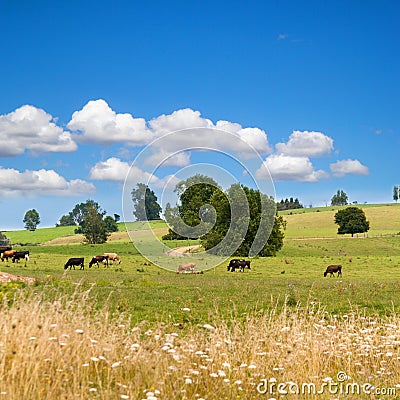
[{"x": 69, "y": 349}]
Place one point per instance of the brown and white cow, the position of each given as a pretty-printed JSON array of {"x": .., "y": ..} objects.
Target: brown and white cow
[
  {"x": 186, "y": 268},
  {"x": 113, "y": 257}
]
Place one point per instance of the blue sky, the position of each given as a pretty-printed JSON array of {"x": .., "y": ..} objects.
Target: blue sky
[{"x": 86, "y": 86}]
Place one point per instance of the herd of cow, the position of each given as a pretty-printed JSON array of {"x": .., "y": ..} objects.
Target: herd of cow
[
  {"x": 7, "y": 252},
  {"x": 103, "y": 259}
]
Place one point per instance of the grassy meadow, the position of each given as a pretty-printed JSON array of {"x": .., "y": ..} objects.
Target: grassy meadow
[{"x": 137, "y": 331}]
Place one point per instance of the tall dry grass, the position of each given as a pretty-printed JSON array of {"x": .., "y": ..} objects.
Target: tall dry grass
[{"x": 67, "y": 349}]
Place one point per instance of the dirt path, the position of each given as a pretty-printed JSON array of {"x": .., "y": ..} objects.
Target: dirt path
[{"x": 182, "y": 251}]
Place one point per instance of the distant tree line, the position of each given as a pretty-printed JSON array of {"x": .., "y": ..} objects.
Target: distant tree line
[{"x": 288, "y": 204}]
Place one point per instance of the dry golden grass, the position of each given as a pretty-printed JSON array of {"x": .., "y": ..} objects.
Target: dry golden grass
[{"x": 66, "y": 349}]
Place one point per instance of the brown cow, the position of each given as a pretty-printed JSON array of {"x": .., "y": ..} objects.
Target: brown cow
[
  {"x": 7, "y": 254},
  {"x": 333, "y": 268},
  {"x": 113, "y": 257},
  {"x": 97, "y": 260},
  {"x": 185, "y": 268}
]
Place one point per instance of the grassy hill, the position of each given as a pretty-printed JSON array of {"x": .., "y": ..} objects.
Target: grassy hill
[{"x": 302, "y": 223}]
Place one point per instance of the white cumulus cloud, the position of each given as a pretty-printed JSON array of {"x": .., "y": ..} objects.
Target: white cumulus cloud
[
  {"x": 116, "y": 170},
  {"x": 31, "y": 128},
  {"x": 306, "y": 144},
  {"x": 288, "y": 168},
  {"x": 344, "y": 167},
  {"x": 41, "y": 182},
  {"x": 98, "y": 123}
]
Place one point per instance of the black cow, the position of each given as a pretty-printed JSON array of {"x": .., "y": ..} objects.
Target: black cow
[
  {"x": 240, "y": 264},
  {"x": 20, "y": 254},
  {"x": 333, "y": 268},
  {"x": 72, "y": 262},
  {"x": 97, "y": 259}
]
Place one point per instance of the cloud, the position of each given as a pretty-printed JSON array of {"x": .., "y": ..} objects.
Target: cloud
[
  {"x": 282, "y": 36},
  {"x": 288, "y": 168},
  {"x": 112, "y": 169},
  {"x": 116, "y": 170},
  {"x": 31, "y": 128},
  {"x": 98, "y": 123},
  {"x": 306, "y": 144},
  {"x": 344, "y": 167},
  {"x": 41, "y": 182}
]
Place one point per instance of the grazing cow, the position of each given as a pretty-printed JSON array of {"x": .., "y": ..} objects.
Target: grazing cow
[
  {"x": 20, "y": 254},
  {"x": 97, "y": 260},
  {"x": 7, "y": 254},
  {"x": 4, "y": 248},
  {"x": 333, "y": 268},
  {"x": 185, "y": 268},
  {"x": 240, "y": 264},
  {"x": 72, "y": 262},
  {"x": 113, "y": 257}
]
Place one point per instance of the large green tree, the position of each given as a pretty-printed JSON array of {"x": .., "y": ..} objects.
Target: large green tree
[
  {"x": 339, "y": 199},
  {"x": 192, "y": 216},
  {"x": 246, "y": 217},
  {"x": 93, "y": 225},
  {"x": 31, "y": 220},
  {"x": 351, "y": 220},
  {"x": 145, "y": 203}
]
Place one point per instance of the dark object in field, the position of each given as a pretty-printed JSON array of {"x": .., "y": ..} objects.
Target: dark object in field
[
  {"x": 72, "y": 262},
  {"x": 7, "y": 254},
  {"x": 240, "y": 264},
  {"x": 97, "y": 259},
  {"x": 333, "y": 268},
  {"x": 20, "y": 254}
]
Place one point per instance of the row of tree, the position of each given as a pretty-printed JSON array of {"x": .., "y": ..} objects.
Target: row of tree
[{"x": 289, "y": 204}]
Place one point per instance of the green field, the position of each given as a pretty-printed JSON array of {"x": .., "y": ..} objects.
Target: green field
[
  {"x": 135, "y": 331},
  {"x": 371, "y": 270}
]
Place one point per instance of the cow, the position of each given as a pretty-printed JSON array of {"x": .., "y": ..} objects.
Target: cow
[
  {"x": 20, "y": 254},
  {"x": 76, "y": 261},
  {"x": 113, "y": 257},
  {"x": 331, "y": 269},
  {"x": 7, "y": 254},
  {"x": 5, "y": 248},
  {"x": 185, "y": 268},
  {"x": 240, "y": 264},
  {"x": 97, "y": 259}
]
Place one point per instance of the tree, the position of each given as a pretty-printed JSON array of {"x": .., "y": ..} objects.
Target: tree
[
  {"x": 66, "y": 220},
  {"x": 246, "y": 220},
  {"x": 31, "y": 220},
  {"x": 110, "y": 223},
  {"x": 145, "y": 203},
  {"x": 4, "y": 241},
  {"x": 351, "y": 220},
  {"x": 191, "y": 216},
  {"x": 339, "y": 199},
  {"x": 396, "y": 193},
  {"x": 93, "y": 225},
  {"x": 117, "y": 217}
]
